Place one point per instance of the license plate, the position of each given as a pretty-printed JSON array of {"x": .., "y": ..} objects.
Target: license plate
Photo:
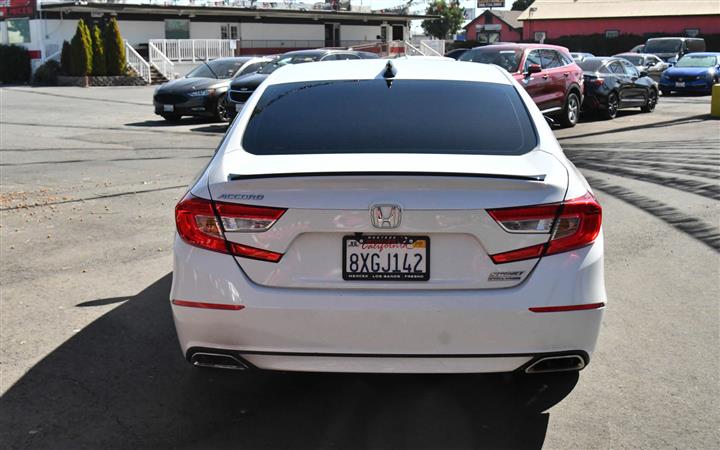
[
  {"x": 168, "y": 108},
  {"x": 680, "y": 84},
  {"x": 386, "y": 258},
  {"x": 239, "y": 106}
]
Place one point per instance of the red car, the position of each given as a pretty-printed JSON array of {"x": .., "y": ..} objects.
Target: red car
[{"x": 547, "y": 72}]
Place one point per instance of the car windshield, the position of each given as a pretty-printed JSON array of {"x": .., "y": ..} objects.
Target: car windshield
[
  {"x": 697, "y": 61},
  {"x": 591, "y": 65},
  {"x": 634, "y": 60},
  {"x": 352, "y": 116},
  {"x": 285, "y": 60},
  {"x": 663, "y": 46},
  {"x": 219, "y": 68},
  {"x": 507, "y": 59}
]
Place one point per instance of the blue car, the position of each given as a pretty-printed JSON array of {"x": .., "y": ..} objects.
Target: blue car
[{"x": 694, "y": 72}]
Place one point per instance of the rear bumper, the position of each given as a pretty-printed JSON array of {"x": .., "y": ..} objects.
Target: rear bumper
[{"x": 388, "y": 331}]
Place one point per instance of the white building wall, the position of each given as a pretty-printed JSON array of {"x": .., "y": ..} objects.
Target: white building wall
[
  {"x": 140, "y": 32},
  {"x": 359, "y": 32},
  {"x": 205, "y": 30},
  {"x": 276, "y": 31}
]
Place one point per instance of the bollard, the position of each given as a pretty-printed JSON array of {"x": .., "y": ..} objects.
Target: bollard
[{"x": 715, "y": 101}]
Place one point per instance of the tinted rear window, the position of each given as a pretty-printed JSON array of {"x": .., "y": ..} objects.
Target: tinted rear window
[
  {"x": 412, "y": 116},
  {"x": 591, "y": 65}
]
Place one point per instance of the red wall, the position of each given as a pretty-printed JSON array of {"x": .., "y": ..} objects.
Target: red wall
[
  {"x": 641, "y": 25},
  {"x": 507, "y": 34}
]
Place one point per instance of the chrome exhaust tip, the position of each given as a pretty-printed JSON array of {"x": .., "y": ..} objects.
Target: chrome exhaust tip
[
  {"x": 217, "y": 361},
  {"x": 563, "y": 363}
]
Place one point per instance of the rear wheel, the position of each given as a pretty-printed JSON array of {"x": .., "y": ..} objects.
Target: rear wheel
[
  {"x": 172, "y": 117},
  {"x": 612, "y": 106},
  {"x": 651, "y": 102},
  {"x": 571, "y": 112}
]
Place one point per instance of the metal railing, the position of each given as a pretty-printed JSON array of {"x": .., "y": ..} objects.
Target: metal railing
[
  {"x": 137, "y": 63},
  {"x": 430, "y": 51},
  {"x": 411, "y": 50},
  {"x": 161, "y": 62},
  {"x": 194, "y": 49}
]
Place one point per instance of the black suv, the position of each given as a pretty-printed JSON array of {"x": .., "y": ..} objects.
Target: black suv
[{"x": 242, "y": 88}]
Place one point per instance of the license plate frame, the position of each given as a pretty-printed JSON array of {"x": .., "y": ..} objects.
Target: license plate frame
[
  {"x": 679, "y": 84},
  {"x": 387, "y": 276},
  {"x": 168, "y": 108}
]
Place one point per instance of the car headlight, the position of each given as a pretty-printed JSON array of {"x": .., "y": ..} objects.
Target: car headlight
[{"x": 201, "y": 93}]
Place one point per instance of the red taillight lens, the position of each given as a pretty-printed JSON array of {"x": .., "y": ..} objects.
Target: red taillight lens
[
  {"x": 598, "y": 81},
  {"x": 572, "y": 224},
  {"x": 199, "y": 225}
]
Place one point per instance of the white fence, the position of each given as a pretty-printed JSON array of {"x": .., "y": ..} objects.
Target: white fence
[
  {"x": 194, "y": 49},
  {"x": 137, "y": 63},
  {"x": 161, "y": 62}
]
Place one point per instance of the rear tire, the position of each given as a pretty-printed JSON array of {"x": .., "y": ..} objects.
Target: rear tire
[
  {"x": 172, "y": 117},
  {"x": 612, "y": 106},
  {"x": 571, "y": 111},
  {"x": 651, "y": 102}
]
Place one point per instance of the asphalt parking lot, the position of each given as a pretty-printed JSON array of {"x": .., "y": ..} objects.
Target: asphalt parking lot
[{"x": 89, "y": 357}]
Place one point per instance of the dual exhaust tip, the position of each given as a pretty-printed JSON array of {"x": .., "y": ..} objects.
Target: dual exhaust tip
[
  {"x": 559, "y": 363},
  {"x": 217, "y": 361}
]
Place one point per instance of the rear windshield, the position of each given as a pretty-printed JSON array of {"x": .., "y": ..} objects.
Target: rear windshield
[
  {"x": 663, "y": 46},
  {"x": 410, "y": 116},
  {"x": 507, "y": 59},
  {"x": 591, "y": 65}
]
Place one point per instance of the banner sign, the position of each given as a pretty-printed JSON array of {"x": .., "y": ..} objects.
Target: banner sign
[
  {"x": 489, "y": 4},
  {"x": 17, "y": 8}
]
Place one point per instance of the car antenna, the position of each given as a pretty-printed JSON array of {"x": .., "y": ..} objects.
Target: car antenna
[{"x": 389, "y": 73}]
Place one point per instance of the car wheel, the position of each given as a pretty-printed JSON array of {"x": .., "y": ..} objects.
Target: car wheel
[
  {"x": 612, "y": 106},
  {"x": 172, "y": 117},
  {"x": 571, "y": 113},
  {"x": 221, "y": 110},
  {"x": 651, "y": 102}
]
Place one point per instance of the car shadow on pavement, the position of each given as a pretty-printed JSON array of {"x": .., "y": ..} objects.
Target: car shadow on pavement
[{"x": 122, "y": 382}]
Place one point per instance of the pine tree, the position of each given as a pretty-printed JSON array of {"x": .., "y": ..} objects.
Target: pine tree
[
  {"x": 114, "y": 49},
  {"x": 98, "y": 49},
  {"x": 66, "y": 58},
  {"x": 81, "y": 51}
]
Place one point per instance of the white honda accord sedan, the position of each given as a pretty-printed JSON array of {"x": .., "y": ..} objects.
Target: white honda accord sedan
[{"x": 411, "y": 215}]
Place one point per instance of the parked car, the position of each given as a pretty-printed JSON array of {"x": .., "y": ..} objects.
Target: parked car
[
  {"x": 614, "y": 83},
  {"x": 695, "y": 72},
  {"x": 339, "y": 227},
  {"x": 456, "y": 53},
  {"x": 580, "y": 56},
  {"x": 671, "y": 49},
  {"x": 242, "y": 88},
  {"x": 652, "y": 64},
  {"x": 547, "y": 72},
  {"x": 203, "y": 91}
]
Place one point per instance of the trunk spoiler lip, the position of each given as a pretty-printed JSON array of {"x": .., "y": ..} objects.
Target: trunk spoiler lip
[{"x": 238, "y": 177}]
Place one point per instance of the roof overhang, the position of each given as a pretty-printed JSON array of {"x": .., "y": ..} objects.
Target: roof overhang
[{"x": 198, "y": 11}]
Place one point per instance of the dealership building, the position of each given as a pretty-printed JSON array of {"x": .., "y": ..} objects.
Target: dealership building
[
  {"x": 200, "y": 29},
  {"x": 551, "y": 19}
]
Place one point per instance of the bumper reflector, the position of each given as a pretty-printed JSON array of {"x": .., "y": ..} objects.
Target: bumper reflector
[
  {"x": 547, "y": 309},
  {"x": 207, "y": 305}
]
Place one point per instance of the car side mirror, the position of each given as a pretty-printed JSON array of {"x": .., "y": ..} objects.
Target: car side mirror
[{"x": 534, "y": 68}]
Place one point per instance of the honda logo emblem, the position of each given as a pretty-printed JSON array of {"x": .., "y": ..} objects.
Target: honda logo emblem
[{"x": 385, "y": 216}]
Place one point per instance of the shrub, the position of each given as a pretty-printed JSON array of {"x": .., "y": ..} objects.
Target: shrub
[
  {"x": 99, "y": 67},
  {"x": 15, "y": 66},
  {"x": 47, "y": 73},
  {"x": 81, "y": 47},
  {"x": 114, "y": 49},
  {"x": 66, "y": 59}
]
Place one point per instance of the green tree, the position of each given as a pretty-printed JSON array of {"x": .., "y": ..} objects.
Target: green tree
[
  {"x": 98, "y": 47},
  {"x": 81, "y": 50},
  {"x": 450, "y": 21},
  {"x": 66, "y": 59},
  {"x": 521, "y": 5},
  {"x": 114, "y": 49}
]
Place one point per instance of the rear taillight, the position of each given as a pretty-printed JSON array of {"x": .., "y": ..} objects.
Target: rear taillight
[
  {"x": 572, "y": 224},
  {"x": 204, "y": 224},
  {"x": 598, "y": 81}
]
